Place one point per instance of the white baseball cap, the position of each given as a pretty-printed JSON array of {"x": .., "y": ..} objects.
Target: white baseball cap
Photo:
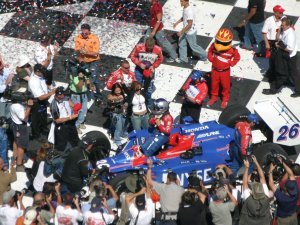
[{"x": 23, "y": 60}]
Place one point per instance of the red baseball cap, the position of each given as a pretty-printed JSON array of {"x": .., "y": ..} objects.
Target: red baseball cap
[{"x": 278, "y": 8}]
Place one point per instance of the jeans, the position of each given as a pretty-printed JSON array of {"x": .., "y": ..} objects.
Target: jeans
[
  {"x": 82, "y": 112},
  {"x": 121, "y": 126},
  {"x": 140, "y": 122},
  {"x": 254, "y": 31},
  {"x": 163, "y": 42},
  {"x": 235, "y": 156},
  {"x": 147, "y": 83},
  {"x": 93, "y": 67},
  {"x": 3, "y": 146},
  {"x": 191, "y": 39},
  {"x": 154, "y": 142}
]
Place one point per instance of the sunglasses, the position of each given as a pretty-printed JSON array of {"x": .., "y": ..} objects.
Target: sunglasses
[
  {"x": 138, "y": 89},
  {"x": 126, "y": 68},
  {"x": 83, "y": 33}
]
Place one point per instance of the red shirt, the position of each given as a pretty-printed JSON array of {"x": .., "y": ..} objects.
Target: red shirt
[{"x": 155, "y": 9}]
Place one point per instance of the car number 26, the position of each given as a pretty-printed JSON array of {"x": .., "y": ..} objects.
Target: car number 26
[{"x": 288, "y": 132}]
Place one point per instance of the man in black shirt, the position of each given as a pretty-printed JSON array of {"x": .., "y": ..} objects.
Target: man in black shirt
[
  {"x": 254, "y": 22},
  {"x": 76, "y": 167}
]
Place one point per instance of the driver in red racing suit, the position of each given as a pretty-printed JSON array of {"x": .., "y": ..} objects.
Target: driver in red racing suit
[
  {"x": 222, "y": 56},
  {"x": 161, "y": 125},
  {"x": 242, "y": 142}
]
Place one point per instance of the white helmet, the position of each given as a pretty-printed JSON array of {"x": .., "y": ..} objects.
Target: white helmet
[{"x": 161, "y": 106}]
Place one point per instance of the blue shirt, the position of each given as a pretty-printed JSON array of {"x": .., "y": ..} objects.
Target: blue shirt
[{"x": 287, "y": 205}]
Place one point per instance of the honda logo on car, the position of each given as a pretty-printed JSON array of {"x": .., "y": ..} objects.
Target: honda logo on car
[
  {"x": 203, "y": 175},
  {"x": 195, "y": 129}
]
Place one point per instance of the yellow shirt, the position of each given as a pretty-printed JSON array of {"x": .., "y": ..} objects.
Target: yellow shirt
[{"x": 90, "y": 44}]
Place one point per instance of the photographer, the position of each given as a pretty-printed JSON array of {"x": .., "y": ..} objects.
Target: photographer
[
  {"x": 76, "y": 167},
  {"x": 65, "y": 130},
  {"x": 19, "y": 112},
  {"x": 287, "y": 197},
  {"x": 221, "y": 210},
  {"x": 9, "y": 211},
  {"x": 118, "y": 108},
  {"x": 192, "y": 208},
  {"x": 194, "y": 92},
  {"x": 43, "y": 205},
  {"x": 170, "y": 195},
  {"x": 37, "y": 86},
  {"x": 256, "y": 207},
  {"x": 79, "y": 85}
]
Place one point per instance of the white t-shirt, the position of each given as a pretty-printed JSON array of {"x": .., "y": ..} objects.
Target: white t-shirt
[
  {"x": 247, "y": 192},
  {"x": 37, "y": 85},
  {"x": 3, "y": 78},
  {"x": 97, "y": 219},
  {"x": 145, "y": 216},
  {"x": 66, "y": 216},
  {"x": 9, "y": 215},
  {"x": 41, "y": 54},
  {"x": 271, "y": 27},
  {"x": 40, "y": 179},
  {"x": 188, "y": 14},
  {"x": 17, "y": 113},
  {"x": 138, "y": 104},
  {"x": 288, "y": 37}
]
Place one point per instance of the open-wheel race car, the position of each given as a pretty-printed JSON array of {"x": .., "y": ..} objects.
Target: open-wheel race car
[{"x": 198, "y": 147}]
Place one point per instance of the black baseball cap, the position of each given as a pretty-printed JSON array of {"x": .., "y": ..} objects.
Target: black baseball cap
[
  {"x": 60, "y": 90},
  {"x": 39, "y": 68}
]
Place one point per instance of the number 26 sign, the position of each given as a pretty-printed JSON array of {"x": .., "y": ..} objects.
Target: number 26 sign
[{"x": 287, "y": 135}]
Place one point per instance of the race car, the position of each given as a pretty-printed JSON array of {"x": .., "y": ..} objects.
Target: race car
[{"x": 192, "y": 148}]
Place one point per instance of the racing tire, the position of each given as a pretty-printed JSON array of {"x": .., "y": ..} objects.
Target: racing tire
[
  {"x": 232, "y": 113},
  {"x": 261, "y": 152},
  {"x": 118, "y": 183},
  {"x": 101, "y": 148}
]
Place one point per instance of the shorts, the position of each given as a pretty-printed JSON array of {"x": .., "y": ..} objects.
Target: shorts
[{"x": 21, "y": 135}]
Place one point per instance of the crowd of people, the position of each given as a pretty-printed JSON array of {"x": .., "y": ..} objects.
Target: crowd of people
[{"x": 64, "y": 182}]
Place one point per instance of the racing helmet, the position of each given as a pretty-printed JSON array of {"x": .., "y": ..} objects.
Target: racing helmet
[
  {"x": 161, "y": 106},
  {"x": 253, "y": 118},
  {"x": 223, "y": 40},
  {"x": 197, "y": 75},
  {"x": 278, "y": 8}
]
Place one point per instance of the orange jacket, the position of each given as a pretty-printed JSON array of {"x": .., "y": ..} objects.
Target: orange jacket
[{"x": 91, "y": 44}]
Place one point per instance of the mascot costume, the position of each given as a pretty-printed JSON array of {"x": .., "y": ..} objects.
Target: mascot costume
[{"x": 222, "y": 56}]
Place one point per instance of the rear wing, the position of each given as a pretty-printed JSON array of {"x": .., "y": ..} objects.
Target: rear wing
[{"x": 283, "y": 118}]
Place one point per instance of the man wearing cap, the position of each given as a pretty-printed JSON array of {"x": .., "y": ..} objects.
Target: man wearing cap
[
  {"x": 220, "y": 210},
  {"x": 44, "y": 55},
  {"x": 195, "y": 91},
  {"x": 24, "y": 70},
  {"x": 87, "y": 46},
  {"x": 99, "y": 213},
  {"x": 38, "y": 88},
  {"x": 286, "y": 198},
  {"x": 77, "y": 165},
  {"x": 170, "y": 194},
  {"x": 256, "y": 207},
  {"x": 19, "y": 114},
  {"x": 65, "y": 131},
  {"x": 147, "y": 57},
  {"x": 9, "y": 211},
  {"x": 269, "y": 30}
]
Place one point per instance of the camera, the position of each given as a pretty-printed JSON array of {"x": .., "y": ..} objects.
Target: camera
[
  {"x": 194, "y": 181},
  {"x": 21, "y": 97},
  {"x": 141, "y": 180},
  {"x": 76, "y": 67}
]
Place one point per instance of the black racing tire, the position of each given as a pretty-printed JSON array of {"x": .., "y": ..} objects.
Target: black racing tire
[
  {"x": 101, "y": 147},
  {"x": 261, "y": 152},
  {"x": 232, "y": 113},
  {"x": 118, "y": 182}
]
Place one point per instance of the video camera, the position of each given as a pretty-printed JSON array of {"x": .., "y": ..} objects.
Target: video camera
[
  {"x": 21, "y": 97},
  {"x": 194, "y": 181},
  {"x": 4, "y": 122},
  {"x": 76, "y": 67}
]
